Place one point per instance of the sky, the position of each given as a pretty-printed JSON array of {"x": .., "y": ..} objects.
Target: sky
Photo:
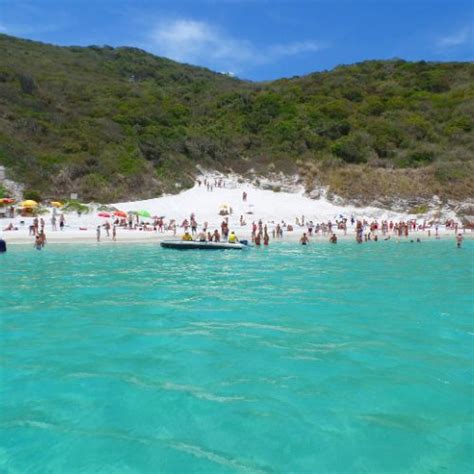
[{"x": 255, "y": 39}]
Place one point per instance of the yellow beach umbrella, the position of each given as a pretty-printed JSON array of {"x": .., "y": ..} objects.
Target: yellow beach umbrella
[
  {"x": 29, "y": 203},
  {"x": 56, "y": 203}
]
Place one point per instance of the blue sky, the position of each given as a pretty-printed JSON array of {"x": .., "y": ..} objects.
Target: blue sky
[{"x": 255, "y": 39}]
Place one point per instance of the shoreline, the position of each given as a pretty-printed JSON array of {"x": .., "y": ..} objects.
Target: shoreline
[
  {"x": 141, "y": 237},
  {"x": 242, "y": 202}
]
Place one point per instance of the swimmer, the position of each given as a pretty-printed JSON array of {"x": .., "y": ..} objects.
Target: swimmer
[
  {"x": 333, "y": 239},
  {"x": 459, "y": 239},
  {"x": 304, "y": 239}
]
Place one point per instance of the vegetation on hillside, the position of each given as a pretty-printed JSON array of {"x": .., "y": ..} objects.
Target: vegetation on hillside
[{"x": 114, "y": 123}]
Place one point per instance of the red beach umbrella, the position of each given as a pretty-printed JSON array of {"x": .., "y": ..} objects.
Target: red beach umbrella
[
  {"x": 7, "y": 201},
  {"x": 120, "y": 214},
  {"x": 103, "y": 214}
]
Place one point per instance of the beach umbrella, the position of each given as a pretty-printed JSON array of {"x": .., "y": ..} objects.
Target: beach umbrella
[
  {"x": 7, "y": 201},
  {"x": 56, "y": 203},
  {"x": 144, "y": 213},
  {"x": 29, "y": 203},
  {"x": 120, "y": 214},
  {"x": 103, "y": 214}
]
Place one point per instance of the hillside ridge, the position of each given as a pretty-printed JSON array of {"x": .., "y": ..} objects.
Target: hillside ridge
[{"x": 120, "y": 123}]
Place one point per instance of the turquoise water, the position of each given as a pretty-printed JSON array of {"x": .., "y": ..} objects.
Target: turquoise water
[{"x": 337, "y": 359}]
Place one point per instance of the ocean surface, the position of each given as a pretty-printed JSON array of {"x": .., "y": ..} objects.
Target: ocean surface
[{"x": 320, "y": 359}]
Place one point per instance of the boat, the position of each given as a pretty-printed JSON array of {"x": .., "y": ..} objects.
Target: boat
[{"x": 195, "y": 245}]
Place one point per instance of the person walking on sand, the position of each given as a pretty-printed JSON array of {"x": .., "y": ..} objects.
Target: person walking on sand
[
  {"x": 114, "y": 233},
  {"x": 98, "y": 233}
]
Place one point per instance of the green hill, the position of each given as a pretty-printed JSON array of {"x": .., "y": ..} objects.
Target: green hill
[{"x": 116, "y": 123}]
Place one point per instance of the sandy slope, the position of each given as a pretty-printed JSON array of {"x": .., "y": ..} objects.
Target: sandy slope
[{"x": 271, "y": 207}]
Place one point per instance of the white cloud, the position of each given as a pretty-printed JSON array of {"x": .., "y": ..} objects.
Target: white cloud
[
  {"x": 456, "y": 39},
  {"x": 194, "y": 41},
  {"x": 199, "y": 42},
  {"x": 298, "y": 47}
]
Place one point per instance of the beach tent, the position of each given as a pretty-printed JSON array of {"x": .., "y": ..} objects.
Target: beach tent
[{"x": 224, "y": 210}]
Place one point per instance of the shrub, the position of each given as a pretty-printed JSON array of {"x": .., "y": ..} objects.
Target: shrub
[
  {"x": 351, "y": 149},
  {"x": 32, "y": 194},
  {"x": 4, "y": 192}
]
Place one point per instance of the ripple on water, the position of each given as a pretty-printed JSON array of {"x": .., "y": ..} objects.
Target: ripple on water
[{"x": 277, "y": 360}]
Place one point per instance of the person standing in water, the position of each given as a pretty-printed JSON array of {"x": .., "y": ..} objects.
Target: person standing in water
[
  {"x": 266, "y": 238},
  {"x": 459, "y": 239},
  {"x": 333, "y": 239},
  {"x": 42, "y": 238},
  {"x": 304, "y": 239},
  {"x": 38, "y": 245}
]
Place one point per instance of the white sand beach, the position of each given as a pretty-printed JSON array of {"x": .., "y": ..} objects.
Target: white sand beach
[{"x": 269, "y": 206}]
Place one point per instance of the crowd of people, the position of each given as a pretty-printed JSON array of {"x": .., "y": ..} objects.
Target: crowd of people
[
  {"x": 364, "y": 230},
  {"x": 259, "y": 232}
]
